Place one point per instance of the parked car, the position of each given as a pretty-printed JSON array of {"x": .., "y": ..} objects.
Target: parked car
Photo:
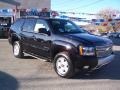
[
  {"x": 114, "y": 34},
  {"x": 61, "y": 42},
  {"x": 3, "y": 32}
]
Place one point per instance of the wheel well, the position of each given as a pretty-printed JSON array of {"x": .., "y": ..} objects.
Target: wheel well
[
  {"x": 14, "y": 38},
  {"x": 59, "y": 50}
]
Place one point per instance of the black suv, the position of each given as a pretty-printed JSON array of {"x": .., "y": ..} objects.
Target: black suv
[{"x": 61, "y": 42}]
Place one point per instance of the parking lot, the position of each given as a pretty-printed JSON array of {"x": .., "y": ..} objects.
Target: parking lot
[{"x": 34, "y": 74}]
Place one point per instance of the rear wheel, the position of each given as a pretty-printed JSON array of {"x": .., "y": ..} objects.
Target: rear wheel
[
  {"x": 63, "y": 65},
  {"x": 17, "y": 50}
]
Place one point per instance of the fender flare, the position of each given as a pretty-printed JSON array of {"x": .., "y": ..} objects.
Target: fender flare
[
  {"x": 15, "y": 37},
  {"x": 61, "y": 46}
]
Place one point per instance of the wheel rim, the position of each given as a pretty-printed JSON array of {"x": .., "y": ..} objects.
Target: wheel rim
[
  {"x": 16, "y": 49},
  {"x": 62, "y": 66}
]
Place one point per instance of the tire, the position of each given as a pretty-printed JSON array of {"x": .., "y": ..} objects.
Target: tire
[
  {"x": 17, "y": 50},
  {"x": 63, "y": 65}
]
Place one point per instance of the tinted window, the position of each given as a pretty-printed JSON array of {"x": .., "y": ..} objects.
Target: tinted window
[
  {"x": 41, "y": 24},
  {"x": 17, "y": 25},
  {"x": 29, "y": 25},
  {"x": 64, "y": 27}
]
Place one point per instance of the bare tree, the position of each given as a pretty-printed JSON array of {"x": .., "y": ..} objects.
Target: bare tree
[{"x": 107, "y": 13}]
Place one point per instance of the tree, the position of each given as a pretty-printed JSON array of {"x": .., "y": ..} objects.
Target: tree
[{"x": 107, "y": 13}]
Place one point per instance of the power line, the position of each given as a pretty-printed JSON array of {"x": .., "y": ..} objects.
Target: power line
[
  {"x": 87, "y": 5},
  {"x": 62, "y": 2},
  {"x": 67, "y": 3}
]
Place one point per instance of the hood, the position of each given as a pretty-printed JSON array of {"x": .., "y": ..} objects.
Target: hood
[{"x": 89, "y": 39}]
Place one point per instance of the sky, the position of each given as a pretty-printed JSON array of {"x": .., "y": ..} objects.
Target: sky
[{"x": 84, "y": 6}]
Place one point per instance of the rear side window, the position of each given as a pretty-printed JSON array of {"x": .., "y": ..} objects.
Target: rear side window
[
  {"x": 17, "y": 25},
  {"x": 29, "y": 25}
]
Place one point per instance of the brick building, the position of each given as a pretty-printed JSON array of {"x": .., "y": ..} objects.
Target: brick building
[
  {"x": 9, "y": 6},
  {"x": 12, "y": 9},
  {"x": 25, "y": 3}
]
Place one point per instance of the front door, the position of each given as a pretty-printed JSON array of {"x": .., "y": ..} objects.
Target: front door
[{"x": 42, "y": 41}]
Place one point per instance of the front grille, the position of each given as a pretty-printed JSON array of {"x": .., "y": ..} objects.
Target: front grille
[{"x": 104, "y": 51}]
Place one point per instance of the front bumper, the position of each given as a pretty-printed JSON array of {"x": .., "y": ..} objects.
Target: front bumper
[
  {"x": 93, "y": 62},
  {"x": 104, "y": 61}
]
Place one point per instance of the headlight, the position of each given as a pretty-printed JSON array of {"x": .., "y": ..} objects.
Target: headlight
[{"x": 87, "y": 51}]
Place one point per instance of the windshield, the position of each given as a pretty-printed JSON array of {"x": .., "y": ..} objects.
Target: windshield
[{"x": 65, "y": 27}]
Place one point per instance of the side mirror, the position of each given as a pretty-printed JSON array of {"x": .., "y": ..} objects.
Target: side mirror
[{"x": 44, "y": 31}]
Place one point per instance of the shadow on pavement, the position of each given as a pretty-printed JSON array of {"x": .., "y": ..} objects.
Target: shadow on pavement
[
  {"x": 7, "y": 82},
  {"x": 28, "y": 57}
]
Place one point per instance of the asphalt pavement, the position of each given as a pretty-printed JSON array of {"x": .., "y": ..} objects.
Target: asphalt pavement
[{"x": 34, "y": 74}]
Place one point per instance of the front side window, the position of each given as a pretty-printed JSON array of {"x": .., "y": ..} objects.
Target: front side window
[
  {"x": 41, "y": 24},
  {"x": 65, "y": 27}
]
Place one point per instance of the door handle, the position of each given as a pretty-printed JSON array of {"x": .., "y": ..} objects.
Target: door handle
[
  {"x": 38, "y": 39},
  {"x": 42, "y": 41}
]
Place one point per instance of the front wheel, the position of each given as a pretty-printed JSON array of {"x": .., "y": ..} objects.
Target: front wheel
[
  {"x": 17, "y": 50},
  {"x": 63, "y": 65}
]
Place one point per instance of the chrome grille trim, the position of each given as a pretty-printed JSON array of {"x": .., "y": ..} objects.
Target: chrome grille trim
[{"x": 103, "y": 51}]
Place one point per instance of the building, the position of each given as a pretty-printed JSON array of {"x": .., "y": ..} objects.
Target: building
[
  {"x": 25, "y": 3},
  {"x": 12, "y": 9}
]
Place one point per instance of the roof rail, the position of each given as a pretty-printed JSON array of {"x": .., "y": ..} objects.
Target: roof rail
[{"x": 30, "y": 17}]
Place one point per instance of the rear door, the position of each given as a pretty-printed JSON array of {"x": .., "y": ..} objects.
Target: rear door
[
  {"x": 15, "y": 29},
  {"x": 28, "y": 35}
]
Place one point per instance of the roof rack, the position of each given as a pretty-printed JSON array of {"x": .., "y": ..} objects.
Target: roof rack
[{"x": 30, "y": 17}]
